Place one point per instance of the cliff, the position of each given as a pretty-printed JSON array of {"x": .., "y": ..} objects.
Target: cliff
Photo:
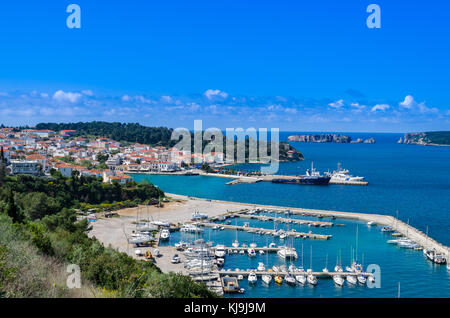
[{"x": 431, "y": 138}]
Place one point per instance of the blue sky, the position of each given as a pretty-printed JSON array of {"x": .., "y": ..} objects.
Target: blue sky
[{"x": 294, "y": 65}]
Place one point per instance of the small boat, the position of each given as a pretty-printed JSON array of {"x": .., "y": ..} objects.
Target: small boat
[
  {"x": 220, "y": 251},
  {"x": 371, "y": 223},
  {"x": 253, "y": 245},
  {"x": 371, "y": 279},
  {"x": 338, "y": 268},
  {"x": 261, "y": 252},
  {"x": 275, "y": 268},
  {"x": 290, "y": 280},
  {"x": 278, "y": 279},
  {"x": 287, "y": 253},
  {"x": 266, "y": 279},
  {"x": 240, "y": 277},
  {"x": 361, "y": 279},
  {"x": 190, "y": 228},
  {"x": 283, "y": 236},
  {"x": 338, "y": 280},
  {"x": 252, "y": 278},
  {"x": 351, "y": 279},
  {"x": 251, "y": 252},
  {"x": 312, "y": 280},
  {"x": 387, "y": 229},
  {"x": 272, "y": 245},
  {"x": 261, "y": 267},
  {"x": 220, "y": 262},
  {"x": 242, "y": 252},
  {"x": 301, "y": 278},
  {"x": 235, "y": 244}
]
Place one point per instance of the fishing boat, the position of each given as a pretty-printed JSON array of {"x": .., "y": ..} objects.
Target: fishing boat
[
  {"x": 266, "y": 279},
  {"x": 261, "y": 267},
  {"x": 252, "y": 278},
  {"x": 338, "y": 280},
  {"x": 278, "y": 279}
]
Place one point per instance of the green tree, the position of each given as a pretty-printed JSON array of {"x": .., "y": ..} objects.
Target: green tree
[{"x": 12, "y": 210}]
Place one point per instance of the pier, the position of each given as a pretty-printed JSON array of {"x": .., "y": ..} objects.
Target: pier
[
  {"x": 267, "y": 231},
  {"x": 317, "y": 274},
  {"x": 283, "y": 220}
]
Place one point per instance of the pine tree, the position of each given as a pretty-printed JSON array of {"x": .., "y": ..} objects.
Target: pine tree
[
  {"x": 2, "y": 167},
  {"x": 11, "y": 209}
]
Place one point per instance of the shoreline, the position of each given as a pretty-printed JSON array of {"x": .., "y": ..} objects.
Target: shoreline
[{"x": 114, "y": 231}]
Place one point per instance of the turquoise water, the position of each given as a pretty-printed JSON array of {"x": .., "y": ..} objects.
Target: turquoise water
[{"x": 411, "y": 179}]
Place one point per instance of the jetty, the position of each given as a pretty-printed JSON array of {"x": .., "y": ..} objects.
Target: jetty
[
  {"x": 273, "y": 273},
  {"x": 283, "y": 220},
  {"x": 267, "y": 231}
]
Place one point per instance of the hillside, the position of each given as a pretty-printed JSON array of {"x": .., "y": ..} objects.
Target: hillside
[{"x": 431, "y": 138}]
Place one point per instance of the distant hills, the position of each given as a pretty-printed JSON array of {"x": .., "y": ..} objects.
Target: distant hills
[
  {"x": 430, "y": 138},
  {"x": 322, "y": 138}
]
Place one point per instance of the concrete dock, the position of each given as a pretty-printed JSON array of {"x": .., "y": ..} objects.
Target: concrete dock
[
  {"x": 267, "y": 231},
  {"x": 283, "y": 220},
  {"x": 317, "y": 274}
]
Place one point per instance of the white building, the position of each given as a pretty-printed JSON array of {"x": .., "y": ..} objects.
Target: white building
[{"x": 31, "y": 167}]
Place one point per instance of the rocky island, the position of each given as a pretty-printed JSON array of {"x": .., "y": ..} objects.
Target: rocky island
[{"x": 336, "y": 138}]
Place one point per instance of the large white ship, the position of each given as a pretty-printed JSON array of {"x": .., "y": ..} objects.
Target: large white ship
[{"x": 342, "y": 176}]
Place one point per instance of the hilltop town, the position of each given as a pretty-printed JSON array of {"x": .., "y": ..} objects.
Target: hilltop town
[{"x": 36, "y": 152}]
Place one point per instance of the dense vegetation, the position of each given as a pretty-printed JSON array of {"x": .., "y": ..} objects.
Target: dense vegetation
[
  {"x": 40, "y": 235},
  {"x": 123, "y": 132},
  {"x": 430, "y": 137},
  {"x": 131, "y": 133}
]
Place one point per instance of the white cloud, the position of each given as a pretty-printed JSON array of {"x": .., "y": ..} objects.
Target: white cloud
[
  {"x": 88, "y": 92},
  {"x": 62, "y": 96},
  {"x": 214, "y": 93},
  {"x": 410, "y": 104},
  {"x": 337, "y": 104},
  {"x": 358, "y": 106},
  {"x": 126, "y": 98},
  {"x": 382, "y": 107}
]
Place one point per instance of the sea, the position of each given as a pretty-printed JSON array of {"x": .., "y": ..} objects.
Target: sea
[{"x": 409, "y": 182}]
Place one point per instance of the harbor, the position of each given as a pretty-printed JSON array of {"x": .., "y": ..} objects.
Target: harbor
[{"x": 256, "y": 227}]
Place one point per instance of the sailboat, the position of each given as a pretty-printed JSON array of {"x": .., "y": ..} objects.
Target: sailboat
[
  {"x": 325, "y": 270},
  {"x": 311, "y": 278},
  {"x": 236, "y": 242},
  {"x": 338, "y": 280},
  {"x": 338, "y": 267},
  {"x": 301, "y": 278}
]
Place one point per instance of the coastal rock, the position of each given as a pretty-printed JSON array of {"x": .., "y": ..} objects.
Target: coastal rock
[{"x": 321, "y": 138}]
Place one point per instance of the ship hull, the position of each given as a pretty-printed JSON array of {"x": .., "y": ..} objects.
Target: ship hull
[{"x": 305, "y": 181}]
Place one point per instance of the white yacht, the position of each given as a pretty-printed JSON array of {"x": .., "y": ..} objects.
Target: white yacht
[
  {"x": 311, "y": 279},
  {"x": 190, "y": 228},
  {"x": 342, "y": 176},
  {"x": 351, "y": 279},
  {"x": 252, "y": 278},
  {"x": 287, "y": 253},
  {"x": 290, "y": 280},
  {"x": 165, "y": 234},
  {"x": 220, "y": 251},
  {"x": 266, "y": 279},
  {"x": 301, "y": 278},
  {"x": 338, "y": 280},
  {"x": 261, "y": 267}
]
